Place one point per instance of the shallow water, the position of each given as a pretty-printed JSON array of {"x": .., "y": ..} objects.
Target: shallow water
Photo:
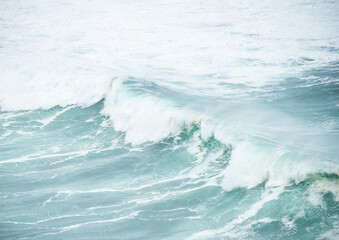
[{"x": 169, "y": 120}]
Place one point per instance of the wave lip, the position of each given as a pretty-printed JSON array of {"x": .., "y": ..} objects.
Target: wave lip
[
  {"x": 144, "y": 118},
  {"x": 252, "y": 164}
]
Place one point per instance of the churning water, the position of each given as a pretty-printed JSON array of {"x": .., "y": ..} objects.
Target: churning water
[{"x": 169, "y": 119}]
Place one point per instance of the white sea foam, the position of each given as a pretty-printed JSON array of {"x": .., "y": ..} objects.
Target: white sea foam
[
  {"x": 251, "y": 165},
  {"x": 331, "y": 234},
  {"x": 222, "y": 53},
  {"x": 50, "y": 119},
  {"x": 201, "y": 51},
  {"x": 74, "y": 226},
  {"x": 267, "y": 196},
  {"x": 319, "y": 188},
  {"x": 144, "y": 118},
  {"x": 191, "y": 46},
  {"x": 42, "y": 155}
]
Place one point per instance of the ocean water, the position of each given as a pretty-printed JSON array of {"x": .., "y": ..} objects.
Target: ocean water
[{"x": 169, "y": 119}]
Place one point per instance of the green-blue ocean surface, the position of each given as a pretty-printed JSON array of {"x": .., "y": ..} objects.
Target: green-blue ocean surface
[{"x": 169, "y": 119}]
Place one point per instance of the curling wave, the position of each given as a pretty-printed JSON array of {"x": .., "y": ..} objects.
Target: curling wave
[{"x": 147, "y": 118}]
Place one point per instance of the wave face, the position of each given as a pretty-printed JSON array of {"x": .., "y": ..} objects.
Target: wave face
[{"x": 169, "y": 120}]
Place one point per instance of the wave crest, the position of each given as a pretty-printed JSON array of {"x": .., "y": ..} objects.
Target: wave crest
[
  {"x": 146, "y": 118},
  {"x": 143, "y": 117}
]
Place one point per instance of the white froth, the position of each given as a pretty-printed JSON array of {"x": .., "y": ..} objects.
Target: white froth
[
  {"x": 144, "y": 118},
  {"x": 319, "y": 188},
  {"x": 61, "y": 53},
  {"x": 227, "y": 230},
  {"x": 251, "y": 165},
  {"x": 147, "y": 118}
]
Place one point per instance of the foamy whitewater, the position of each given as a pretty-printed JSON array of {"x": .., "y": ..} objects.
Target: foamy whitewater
[{"x": 169, "y": 119}]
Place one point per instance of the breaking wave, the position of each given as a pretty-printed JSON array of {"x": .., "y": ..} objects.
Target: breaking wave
[{"x": 146, "y": 118}]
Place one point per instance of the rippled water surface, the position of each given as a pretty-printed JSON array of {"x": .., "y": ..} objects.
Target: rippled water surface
[{"x": 169, "y": 119}]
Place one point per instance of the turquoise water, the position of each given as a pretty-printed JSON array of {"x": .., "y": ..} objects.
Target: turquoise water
[{"x": 169, "y": 120}]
